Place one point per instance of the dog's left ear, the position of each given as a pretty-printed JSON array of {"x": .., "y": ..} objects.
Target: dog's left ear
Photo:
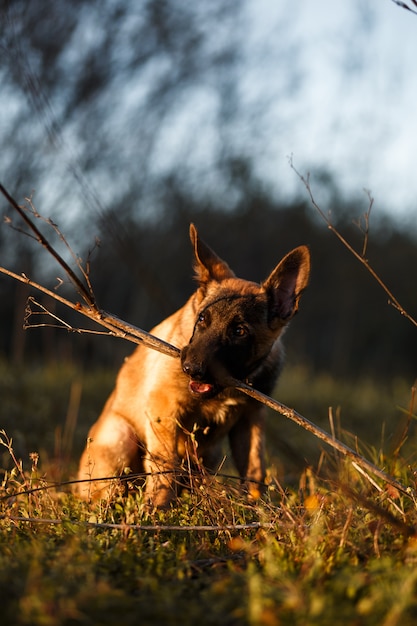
[
  {"x": 286, "y": 283},
  {"x": 208, "y": 266}
]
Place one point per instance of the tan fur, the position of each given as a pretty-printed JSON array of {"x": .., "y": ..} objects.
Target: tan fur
[{"x": 147, "y": 421}]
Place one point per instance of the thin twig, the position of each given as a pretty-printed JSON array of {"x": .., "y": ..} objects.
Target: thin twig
[
  {"x": 410, "y": 414},
  {"x": 318, "y": 432},
  {"x": 403, "y": 5},
  {"x": 117, "y": 327},
  {"x": 77, "y": 260},
  {"x": 82, "y": 290},
  {"x": 144, "y": 527},
  {"x": 43, "y": 311},
  {"x": 392, "y": 299},
  {"x": 371, "y": 505},
  {"x": 366, "y": 219}
]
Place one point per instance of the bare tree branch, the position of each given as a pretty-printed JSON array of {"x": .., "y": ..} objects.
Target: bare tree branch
[
  {"x": 361, "y": 258},
  {"x": 61, "y": 236},
  {"x": 403, "y": 5},
  {"x": 81, "y": 289},
  {"x": 117, "y": 327},
  {"x": 318, "y": 432}
]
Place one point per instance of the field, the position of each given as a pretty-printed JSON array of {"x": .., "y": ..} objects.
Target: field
[{"x": 327, "y": 544}]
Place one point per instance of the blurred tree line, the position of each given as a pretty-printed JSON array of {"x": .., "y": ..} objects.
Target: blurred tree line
[
  {"x": 133, "y": 119},
  {"x": 143, "y": 272}
]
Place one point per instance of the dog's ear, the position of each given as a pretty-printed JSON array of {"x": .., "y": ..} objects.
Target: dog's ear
[
  {"x": 285, "y": 285},
  {"x": 207, "y": 265}
]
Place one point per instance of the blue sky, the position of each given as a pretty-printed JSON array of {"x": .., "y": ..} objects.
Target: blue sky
[
  {"x": 331, "y": 82},
  {"x": 355, "y": 113}
]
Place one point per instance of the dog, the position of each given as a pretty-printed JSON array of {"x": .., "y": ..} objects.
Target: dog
[{"x": 164, "y": 410}]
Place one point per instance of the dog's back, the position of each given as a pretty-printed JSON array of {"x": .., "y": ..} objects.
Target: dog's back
[{"x": 165, "y": 409}]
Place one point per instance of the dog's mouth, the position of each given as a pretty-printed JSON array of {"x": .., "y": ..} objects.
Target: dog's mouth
[{"x": 201, "y": 389}]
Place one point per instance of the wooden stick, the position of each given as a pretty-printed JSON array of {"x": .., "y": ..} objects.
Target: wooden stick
[
  {"x": 116, "y": 327},
  {"x": 318, "y": 432},
  {"x": 145, "y": 527}
]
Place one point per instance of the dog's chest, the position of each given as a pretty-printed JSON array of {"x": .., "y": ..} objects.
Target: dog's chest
[
  {"x": 212, "y": 417},
  {"x": 207, "y": 426}
]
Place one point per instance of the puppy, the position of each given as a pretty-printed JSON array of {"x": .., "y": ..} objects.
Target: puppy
[{"x": 164, "y": 410}]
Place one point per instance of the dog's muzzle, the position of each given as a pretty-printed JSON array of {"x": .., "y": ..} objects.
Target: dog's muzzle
[{"x": 198, "y": 384}]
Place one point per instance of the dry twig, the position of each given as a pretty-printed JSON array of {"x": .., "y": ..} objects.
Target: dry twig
[
  {"x": 392, "y": 300},
  {"x": 403, "y": 5},
  {"x": 145, "y": 527}
]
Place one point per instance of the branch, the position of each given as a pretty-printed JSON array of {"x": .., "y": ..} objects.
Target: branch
[
  {"x": 318, "y": 432},
  {"x": 403, "y": 5},
  {"x": 366, "y": 219},
  {"x": 119, "y": 328},
  {"x": 145, "y": 527},
  {"x": 61, "y": 236},
  {"x": 392, "y": 299},
  {"x": 85, "y": 293}
]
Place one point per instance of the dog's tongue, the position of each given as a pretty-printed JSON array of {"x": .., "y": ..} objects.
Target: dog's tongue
[{"x": 202, "y": 388}]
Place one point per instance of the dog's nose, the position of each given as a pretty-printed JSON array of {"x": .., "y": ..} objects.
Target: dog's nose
[{"x": 195, "y": 371}]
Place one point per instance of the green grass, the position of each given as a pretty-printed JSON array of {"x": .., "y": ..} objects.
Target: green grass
[{"x": 327, "y": 547}]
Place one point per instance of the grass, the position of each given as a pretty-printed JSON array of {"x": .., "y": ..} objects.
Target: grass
[{"x": 323, "y": 546}]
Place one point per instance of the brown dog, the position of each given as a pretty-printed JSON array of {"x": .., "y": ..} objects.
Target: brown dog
[{"x": 164, "y": 410}]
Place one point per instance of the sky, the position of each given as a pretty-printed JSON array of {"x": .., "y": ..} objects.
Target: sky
[
  {"x": 330, "y": 83},
  {"x": 356, "y": 112}
]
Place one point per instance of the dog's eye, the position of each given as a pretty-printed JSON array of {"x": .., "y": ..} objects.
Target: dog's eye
[
  {"x": 203, "y": 319},
  {"x": 239, "y": 330}
]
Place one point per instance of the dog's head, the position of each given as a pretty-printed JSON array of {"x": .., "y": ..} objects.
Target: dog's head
[{"x": 238, "y": 322}]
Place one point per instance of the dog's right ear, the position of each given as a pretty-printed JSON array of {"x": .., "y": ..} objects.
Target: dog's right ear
[
  {"x": 286, "y": 284},
  {"x": 207, "y": 265}
]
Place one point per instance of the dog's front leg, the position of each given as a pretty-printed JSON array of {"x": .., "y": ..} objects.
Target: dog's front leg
[
  {"x": 247, "y": 443},
  {"x": 160, "y": 461},
  {"x": 112, "y": 447}
]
